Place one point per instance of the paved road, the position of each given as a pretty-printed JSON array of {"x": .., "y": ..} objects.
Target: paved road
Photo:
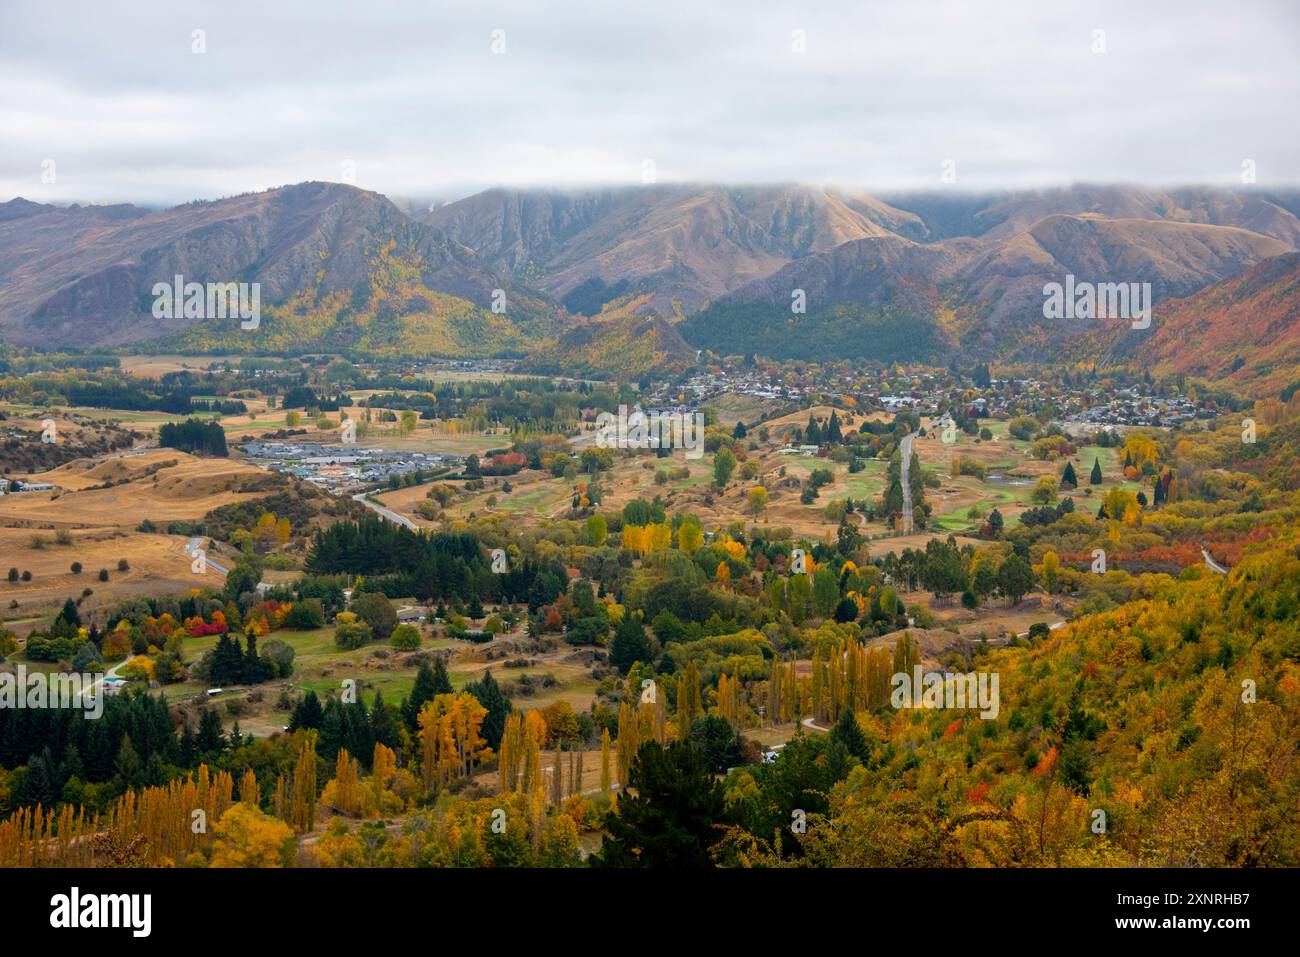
[
  {"x": 1211, "y": 563},
  {"x": 110, "y": 673},
  {"x": 905, "y": 448},
  {"x": 1051, "y": 627},
  {"x": 193, "y": 547},
  {"x": 1024, "y": 634},
  {"x": 386, "y": 513}
]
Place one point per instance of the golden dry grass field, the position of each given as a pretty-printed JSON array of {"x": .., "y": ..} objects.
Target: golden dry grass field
[
  {"x": 161, "y": 485},
  {"x": 158, "y": 565}
]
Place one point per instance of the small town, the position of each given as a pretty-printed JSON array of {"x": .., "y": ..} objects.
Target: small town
[{"x": 346, "y": 468}]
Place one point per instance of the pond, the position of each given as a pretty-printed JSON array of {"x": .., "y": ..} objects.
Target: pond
[{"x": 1007, "y": 481}]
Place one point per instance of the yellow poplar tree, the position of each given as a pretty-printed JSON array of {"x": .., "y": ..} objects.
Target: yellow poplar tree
[
  {"x": 688, "y": 699},
  {"x": 248, "y": 791}
]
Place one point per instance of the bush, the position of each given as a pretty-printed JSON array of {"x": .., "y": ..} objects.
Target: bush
[
  {"x": 306, "y": 614},
  {"x": 1023, "y": 427},
  {"x": 76, "y": 568},
  {"x": 922, "y": 616},
  {"x": 376, "y": 611},
  {"x": 349, "y": 631},
  {"x": 406, "y": 637},
  {"x": 123, "y": 565},
  {"x": 103, "y": 574},
  {"x": 586, "y": 631}
]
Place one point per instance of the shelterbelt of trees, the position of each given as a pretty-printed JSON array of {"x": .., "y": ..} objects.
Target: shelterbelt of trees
[{"x": 1159, "y": 726}]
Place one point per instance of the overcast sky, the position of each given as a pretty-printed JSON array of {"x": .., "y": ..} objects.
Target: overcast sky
[{"x": 415, "y": 97}]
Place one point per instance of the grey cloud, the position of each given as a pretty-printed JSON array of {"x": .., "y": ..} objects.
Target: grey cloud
[{"x": 586, "y": 90}]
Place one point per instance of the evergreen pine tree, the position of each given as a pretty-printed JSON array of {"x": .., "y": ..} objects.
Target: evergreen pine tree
[
  {"x": 848, "y": 732},
  {"x": 833, "y": 431},
  {"x": 187, "y": 747},
  {"x": 630, "y": 643},
  {"x": 490, "y": 696},
  {"x": 385, "y": 725},
  {"x": 441, "y": 682},
  {"x": 812, "y": 435},
  {"x": 210, "y": 739},
  {"x": 671, "y": 817},
  {"x": 70, "y": 615},
  {"x": 250, "y": 666},
  {"x": 307, "y": 713},
  {"x": 428, "y": 683}
]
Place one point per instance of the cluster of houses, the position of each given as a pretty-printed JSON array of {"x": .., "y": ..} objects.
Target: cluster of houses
[
  {"x": 1129, "y": 407},
  {"x": 700, "y": 388},
  {"x": 925, "y": 392},
  {"x": 16, "y": 486},
  {"x": 341, "y": 468}
]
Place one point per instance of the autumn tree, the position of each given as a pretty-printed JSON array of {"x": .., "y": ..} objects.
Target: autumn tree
[
  {"x": 1051, "y": 571},
  {"x": 246, "y": 837},
  {"x": 302, "y": 811},
  {"x": 450, "y": 741},
  {"x": 690, "y": 535}
]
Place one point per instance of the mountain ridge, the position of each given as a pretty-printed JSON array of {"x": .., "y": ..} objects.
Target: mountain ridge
[{"x": 557, "y": 274}]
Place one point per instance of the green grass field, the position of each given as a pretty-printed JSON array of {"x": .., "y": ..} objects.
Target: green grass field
[
  {"x": 315, "y": 654},
  {"x": 539, "y": 501}
]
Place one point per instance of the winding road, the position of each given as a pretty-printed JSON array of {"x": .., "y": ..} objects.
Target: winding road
[
  {"x": 386, "y": 513},
  {"x": 192, "y": 548},
  {"x": 110, "y": 673},
  {"x": 1211, "y": 563},
  {"x": 905, "y": 450}
]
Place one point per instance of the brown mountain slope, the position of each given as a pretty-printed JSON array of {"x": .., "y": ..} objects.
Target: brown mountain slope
[
  {"x": 1005, "y": 284},
  {"x": 1003, "y": 215},
  {"x": 686, "y": 243},
  {"x": 84, "y": 276},
  {"x": 1242, "y": 332},
  {"x": 967, "y": 296}
]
